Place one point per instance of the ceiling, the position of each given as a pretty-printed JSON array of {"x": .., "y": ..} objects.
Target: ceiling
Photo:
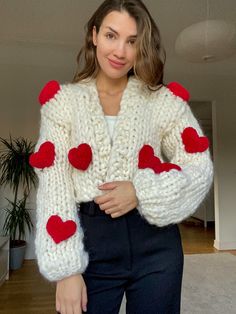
[{"x": 50, "y": 33}]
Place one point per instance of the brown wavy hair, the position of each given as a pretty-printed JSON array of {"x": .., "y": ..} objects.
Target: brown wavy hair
[{"x": 149, "y": 65}]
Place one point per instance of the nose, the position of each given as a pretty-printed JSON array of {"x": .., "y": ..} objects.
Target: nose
[{"x": 119, "y": 50}]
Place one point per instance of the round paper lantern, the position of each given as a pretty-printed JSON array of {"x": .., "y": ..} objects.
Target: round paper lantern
[{"x": 207, "y": 41}]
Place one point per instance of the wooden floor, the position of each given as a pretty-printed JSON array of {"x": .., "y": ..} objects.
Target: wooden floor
[{"x": 28, "y": 293}]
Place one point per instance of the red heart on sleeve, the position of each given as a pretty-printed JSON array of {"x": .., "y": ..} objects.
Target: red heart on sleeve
[
  {"x": 146, "y": 156},
  {"x": 159, "y": 166},
  {"x": 59, "y": 230},
  {"x": 48, "y": 92},
  {"x": 178, "y": 90},
  {"x": 80, "y": 157},
  {"x": 147, "y": 159},
  {"x": 44, "y": 157},
  {"x": 194, "y": 143}
]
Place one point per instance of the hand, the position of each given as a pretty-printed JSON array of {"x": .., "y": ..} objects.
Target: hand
[
  {"x": 71, "y": 295},
  {"x": 119, "y": 200}
]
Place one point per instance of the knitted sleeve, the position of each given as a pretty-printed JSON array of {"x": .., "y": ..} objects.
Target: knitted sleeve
[
  {"x": 59, "y": 237},
  {"x": 169, "y": 192}
]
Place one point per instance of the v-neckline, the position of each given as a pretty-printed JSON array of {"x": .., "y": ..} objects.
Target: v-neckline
[
  {"x": 110, "y": 103},
  {"x": 111, "y": 153},
  {"x": 99, "y": 109}
]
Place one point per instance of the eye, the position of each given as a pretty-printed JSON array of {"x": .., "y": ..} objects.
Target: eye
[
  {"x": 131, "y": 41},
  {"x": 110, "y": 36}
]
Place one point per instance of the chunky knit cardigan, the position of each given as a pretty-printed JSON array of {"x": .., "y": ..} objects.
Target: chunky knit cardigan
[{"x": 157, "y": 144}]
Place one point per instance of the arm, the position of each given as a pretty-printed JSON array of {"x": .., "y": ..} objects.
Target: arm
[
  {"x": 59, "y": 236},
  {"x": 170, "y": 192}
]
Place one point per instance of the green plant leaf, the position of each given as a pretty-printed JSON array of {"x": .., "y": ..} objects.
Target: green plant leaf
[{"x": 16, "y": 172}]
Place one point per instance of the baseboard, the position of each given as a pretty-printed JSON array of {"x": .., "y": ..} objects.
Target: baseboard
[
  {"x": 198, "y": 222},
  {"x": 225, "y": 245}
]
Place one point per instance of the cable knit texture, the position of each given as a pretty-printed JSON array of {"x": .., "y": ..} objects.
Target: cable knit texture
[{"x": 167, "y": 193}]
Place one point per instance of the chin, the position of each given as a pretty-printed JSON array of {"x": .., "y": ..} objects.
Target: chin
[{"x": 117, "y": 75}]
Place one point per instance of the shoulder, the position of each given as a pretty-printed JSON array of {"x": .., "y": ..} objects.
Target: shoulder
[
  {"x": 172, "y": 100},
  {"x": 58, "y": 100},
  {"x": 54, "y": 101},
  {"x": 174, "y": 97},
  {"x": 173, "y": 91},
  {"x": 52, "y": 91},
  {"x": 178, "y": 91}
]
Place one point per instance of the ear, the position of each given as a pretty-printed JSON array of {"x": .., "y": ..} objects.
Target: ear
[{"x": 94, "y": 36}]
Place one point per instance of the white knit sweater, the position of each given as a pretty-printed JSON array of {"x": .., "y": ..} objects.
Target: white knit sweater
[{"x": 72, "y": 116}]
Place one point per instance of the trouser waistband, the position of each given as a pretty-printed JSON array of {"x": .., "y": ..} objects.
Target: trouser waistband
[{"x": 90, "y": 208}]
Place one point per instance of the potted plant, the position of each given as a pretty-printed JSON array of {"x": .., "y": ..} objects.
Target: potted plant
[{"x": 18, "y": 174}]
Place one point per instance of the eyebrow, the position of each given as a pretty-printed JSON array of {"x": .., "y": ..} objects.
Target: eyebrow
[{"x": 111, "y": 29}]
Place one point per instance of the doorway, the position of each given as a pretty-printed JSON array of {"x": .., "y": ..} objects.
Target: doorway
[{"x": 202, "y": 110}]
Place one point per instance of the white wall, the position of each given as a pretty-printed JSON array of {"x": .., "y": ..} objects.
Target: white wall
[{"x": 222, "y": 91}]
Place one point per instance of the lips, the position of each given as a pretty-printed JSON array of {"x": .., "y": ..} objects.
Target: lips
[{"x": 116, "y": 64}]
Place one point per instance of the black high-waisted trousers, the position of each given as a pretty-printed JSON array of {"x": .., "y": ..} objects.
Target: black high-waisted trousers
[{"x": 129, "y": 255}]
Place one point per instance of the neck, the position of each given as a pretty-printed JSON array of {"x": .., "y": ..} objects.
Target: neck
[{"x": 111, "y": 86}]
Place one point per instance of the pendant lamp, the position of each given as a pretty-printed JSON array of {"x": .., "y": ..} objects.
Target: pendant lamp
[{"x": 207, "y": 41}]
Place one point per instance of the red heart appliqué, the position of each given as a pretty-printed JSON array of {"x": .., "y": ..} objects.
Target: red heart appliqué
[
  {"x": 146, "y": 155},
  {"x": 194, "y": 143},
  {"x": 178, "y": 90},
  {"x": 44, "y": 157},
  {"x": 147, "y": 159},
  {"x": 80, "y": 157},
  {"x": 48, "y": 92},
  {"x": 59, "y": 230},
  {"x": 164, "y": 166}
]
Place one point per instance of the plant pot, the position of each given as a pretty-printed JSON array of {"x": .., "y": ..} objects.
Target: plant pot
[{"x": 17, "y": 254}]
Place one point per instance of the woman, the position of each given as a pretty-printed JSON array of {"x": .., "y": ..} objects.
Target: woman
[{"x": 107, "y": 203}]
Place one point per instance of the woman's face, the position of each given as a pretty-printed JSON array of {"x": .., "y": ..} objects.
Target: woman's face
[{"x": 116, "y": 44}]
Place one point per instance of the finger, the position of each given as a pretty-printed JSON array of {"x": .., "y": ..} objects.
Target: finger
[
  {"x": 103, "y": 199},
  {"x": 58, "y": 307},
  {"x": 108, "y": 186},
  {"x": 77, "y": 309},
  {"x": 84, "y": 299},
  {"x": 107, "y": 205},
  {"x": 112, "y": 210},
  {"x": 69, "y": 309},
  {"x": 63, "y": 310},
  {"x": 117, "y": 214}
]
